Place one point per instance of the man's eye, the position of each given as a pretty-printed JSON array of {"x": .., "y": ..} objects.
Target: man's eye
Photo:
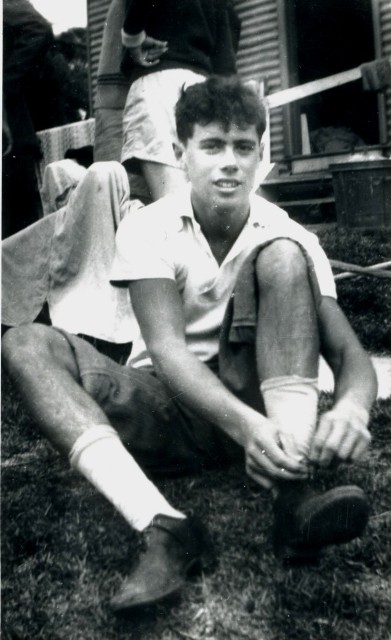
[
  {"x": 211, "y": 146},
  {"x": 245, "y": 147}
]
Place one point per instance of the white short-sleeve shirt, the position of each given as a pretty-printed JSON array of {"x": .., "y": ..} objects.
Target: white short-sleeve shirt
[{"x": 164, "y": 240}]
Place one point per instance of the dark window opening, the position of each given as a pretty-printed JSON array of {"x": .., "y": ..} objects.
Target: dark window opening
[{"x": 327, "y": 37}]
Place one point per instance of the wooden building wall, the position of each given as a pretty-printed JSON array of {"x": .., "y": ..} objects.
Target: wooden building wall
[
  {"x": 96, "y": 15},
  {"x": 260, "y": 52},
  {"x": 382, "y": 14},
  {"x": 258, "y": 55}
]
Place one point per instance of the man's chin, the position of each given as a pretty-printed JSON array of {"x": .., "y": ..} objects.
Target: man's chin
[{"x": 230, "y": 201}]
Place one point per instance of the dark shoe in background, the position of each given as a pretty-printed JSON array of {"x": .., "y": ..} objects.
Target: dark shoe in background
[
  {"x": 305, "y": 521},
  {"x": 173, "y": 547}
]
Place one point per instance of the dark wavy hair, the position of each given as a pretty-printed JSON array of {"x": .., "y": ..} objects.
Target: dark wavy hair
[{"x": 223, "y": 99}]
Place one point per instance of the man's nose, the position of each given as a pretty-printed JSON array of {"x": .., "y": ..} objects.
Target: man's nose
[{"x": 229, "y": 161}]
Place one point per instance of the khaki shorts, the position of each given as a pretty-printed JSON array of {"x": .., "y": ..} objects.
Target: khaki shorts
[{"x": 149, "y": 115}]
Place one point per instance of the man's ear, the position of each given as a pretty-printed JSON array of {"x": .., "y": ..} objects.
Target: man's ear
[
  {"x": 179, "y": 151},
  {"x": 261, "y": 150}
]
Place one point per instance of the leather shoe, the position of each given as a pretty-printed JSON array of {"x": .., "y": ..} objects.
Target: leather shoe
[
  {"x": 305, "y": 520},
  {"x": 173, "y": 547}
]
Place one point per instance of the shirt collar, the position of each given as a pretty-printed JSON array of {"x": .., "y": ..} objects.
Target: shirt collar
[
  {"x": 262, "y": 212},
  {"x": 178, "y": 206}
]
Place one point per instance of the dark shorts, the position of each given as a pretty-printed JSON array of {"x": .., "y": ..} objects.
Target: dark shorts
[
  {"x": 158, "y": 429},
  {"x": 162, "y": 434}
]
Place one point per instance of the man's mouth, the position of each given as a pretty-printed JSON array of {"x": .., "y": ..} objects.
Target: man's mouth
[{"x": 227, "y": 184}]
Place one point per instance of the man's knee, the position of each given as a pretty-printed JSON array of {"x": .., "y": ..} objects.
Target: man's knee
[
  {"x": 102, "y": 171},
  {"x": 28, "y": 346},
  {"x": 281, "y": 262},
  {"x": 103, "y": 179}
]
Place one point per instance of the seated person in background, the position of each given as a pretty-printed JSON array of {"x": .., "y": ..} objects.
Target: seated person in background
[
  {"x": 169, "y": 45},
  {"x": 234, "y": 302}
]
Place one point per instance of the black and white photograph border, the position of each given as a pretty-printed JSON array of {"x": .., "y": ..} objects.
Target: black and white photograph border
[{"x": 65, "y": 548}]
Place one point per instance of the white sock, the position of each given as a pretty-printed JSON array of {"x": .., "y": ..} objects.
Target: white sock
[
  {"x": 292, "y": 403},
  {"x": 101, "y": 457}
]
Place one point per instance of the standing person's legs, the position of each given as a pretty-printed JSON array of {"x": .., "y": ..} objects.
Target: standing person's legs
[
  {"x": 66, "y": 404},
  {"x": 149, "y": 129},
  {"x": 162, "y": 179}
]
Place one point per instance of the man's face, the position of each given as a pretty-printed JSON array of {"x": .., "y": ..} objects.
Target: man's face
[{"x": 221, "y": 167}]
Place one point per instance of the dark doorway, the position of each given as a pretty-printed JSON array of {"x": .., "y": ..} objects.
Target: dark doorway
[{"x": 326, "y": 37}]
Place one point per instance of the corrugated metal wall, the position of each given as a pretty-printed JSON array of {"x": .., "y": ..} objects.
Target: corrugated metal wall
[
  {"x": 258, "y": 55},
  {"x": 96, "y": 13},
  {"x": 384, "y": 12}
]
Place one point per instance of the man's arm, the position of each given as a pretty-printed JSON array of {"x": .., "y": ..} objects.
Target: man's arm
[
  {"x": 342, "y": 433},
  {"x": 158, "y": 309},
  {"x": 144, "y": 50}
]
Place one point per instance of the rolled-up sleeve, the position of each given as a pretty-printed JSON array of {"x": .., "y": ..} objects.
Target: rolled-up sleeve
[{"x": 142, "y": 251}]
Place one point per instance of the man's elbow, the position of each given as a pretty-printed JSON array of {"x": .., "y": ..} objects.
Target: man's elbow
[{"x": 164, "y": 352}]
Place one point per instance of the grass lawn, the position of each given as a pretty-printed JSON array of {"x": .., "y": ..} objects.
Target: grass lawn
[{"x": 64, "y": 548}]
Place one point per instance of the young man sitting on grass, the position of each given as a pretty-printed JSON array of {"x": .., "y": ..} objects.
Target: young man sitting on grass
[{"x": 235, "y": 302}]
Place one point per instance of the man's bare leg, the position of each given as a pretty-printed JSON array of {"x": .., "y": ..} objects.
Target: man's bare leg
[
  {"x": 287, "y": 343},
  {"x": 287, "y": 336},
  {"x": 43, "y": 368},
  {"x": 287, "y": 347},
  {"x": 42, "y": 365}
]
